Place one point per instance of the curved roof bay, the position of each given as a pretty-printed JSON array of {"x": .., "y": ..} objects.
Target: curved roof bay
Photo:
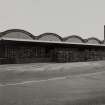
[
  {"x": 70, "y": 38},
  {"x": 50, "y": 37},
  {"x": 93, "y": 40},
  {"x": 3, "y": 34}
]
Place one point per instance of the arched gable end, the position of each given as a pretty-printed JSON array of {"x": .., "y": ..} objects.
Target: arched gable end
[
  {"x": 93, "y": 40},
  {"x": 17, "y": 33},
  {"x": 49, "y": 37},
  {"x": 74, "y": 39}
]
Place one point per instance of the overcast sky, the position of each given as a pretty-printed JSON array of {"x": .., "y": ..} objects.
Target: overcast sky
[{"x": 85, "y": 18}]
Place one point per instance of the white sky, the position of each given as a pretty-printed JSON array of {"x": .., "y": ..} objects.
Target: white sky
[{"x": 85, "y": 18}]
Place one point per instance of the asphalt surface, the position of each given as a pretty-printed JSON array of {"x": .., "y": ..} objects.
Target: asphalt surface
[{"x": 76, "y": 88}]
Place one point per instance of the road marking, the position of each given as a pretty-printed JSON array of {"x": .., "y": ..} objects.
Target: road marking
[{"x": 22, "y": 83}]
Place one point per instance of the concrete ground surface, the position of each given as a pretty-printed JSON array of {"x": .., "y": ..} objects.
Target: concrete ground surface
[{"x": 80, "y": 83}]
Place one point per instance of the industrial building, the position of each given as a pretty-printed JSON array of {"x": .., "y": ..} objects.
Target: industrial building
[{"x": 19, "y": 46}]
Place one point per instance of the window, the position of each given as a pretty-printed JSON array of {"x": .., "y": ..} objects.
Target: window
[{"x": 10, "y": 52}]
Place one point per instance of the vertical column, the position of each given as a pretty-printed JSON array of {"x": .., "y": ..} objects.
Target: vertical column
[{"x": 104, "y": 33}]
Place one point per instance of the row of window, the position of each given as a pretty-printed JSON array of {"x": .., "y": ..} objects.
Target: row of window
[
  {"x": 65, "y": 54},
  {"x": 24, "y": 52},
  {"x": 71, "y": 55},
  {"x": 32, "y": 52}
]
